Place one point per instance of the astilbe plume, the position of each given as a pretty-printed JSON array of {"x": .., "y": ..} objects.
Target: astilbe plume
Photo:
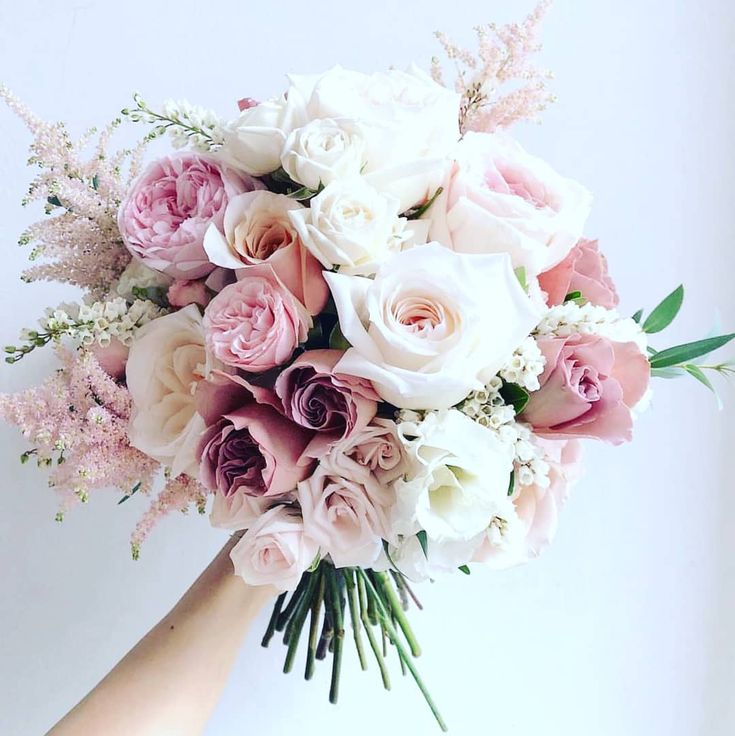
[
  {"x": 81, "y": 185},
  {"x": 499, "y": 84},
  {"x": 77, "y": 425}
]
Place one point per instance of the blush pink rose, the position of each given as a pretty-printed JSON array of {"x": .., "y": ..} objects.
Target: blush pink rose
[
  {"x": 183, "y": 293},
  {"x": 537, "y": 507},
  {"x": 583, "y": 270},
  {"x": 275, "y": 550},
  {"x": 112, "y": 358},
  {"x": 345, "y": 514},
  {"x": 257, "y": 229},
  {"x": 248, "y": 446},
  {"x": 169, "y": 208},
  {"x": 588, "y": 388},
  {"x": 332, "y": 404},
  {"x": 376, "y": 447},
  {"x": 256, "y": 323}
]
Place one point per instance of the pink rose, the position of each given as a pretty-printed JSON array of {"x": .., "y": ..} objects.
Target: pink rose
[
  {"x": 113, "y": 358},
  {"x": 183, "y": 293},
  {"x": 583, "y": 270},
  {"x": 332, "y": 404},
  {"x": 376, "y": 447},
  {"x": 274, "y": 550},
  {"x": 239, "y": 511},
  {"x": 588, "y": 388},
  {"x": 257, "y": 229},
  {"x": 345, "y": 514},
  {"x": 248, "y": 447},
  {"x": 500, "y": 199},
  {"x": 537, "y": 507},
  {"x": 256, "y": 323},
  {"x": 169, "y": 208}
]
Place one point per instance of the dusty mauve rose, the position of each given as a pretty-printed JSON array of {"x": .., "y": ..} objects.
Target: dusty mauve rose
[
  {"x": 275, "y": 550},
  {"x": 183, "y": 293},
  {"x": 169, "y": 208},
  {"x": 317, "y": 398},
  {"x": 248, "y": 446},
  {"x": 257, "y": 229},
  {"x": 583, "y": 270},
  {"x": 345, "y": 513},
  {"x": 256, "y": 323},
  {"x": 537, "y": 508},
  {"x": 588, "y": 388}
]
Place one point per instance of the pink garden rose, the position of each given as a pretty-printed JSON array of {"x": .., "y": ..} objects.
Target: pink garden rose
[
  {"x": 588, "y": 388},
  {"x": 248, "y": 446},
  {"x": 183, "y": 293},
  {"x": 112, "y": 358},
  {"x": 583, "y": 270},
  {"x": 332, "y": 404},
  {"x": 500, "y": 199},
  {"x": 345, "y": 513},
  {"x": 257, "y": 229},
  {"x": 274, "y": 550},
  {"x": 256, "y": 323},
  {"x": 239, "y": 511},
  {"x": 169, "y": 208}
]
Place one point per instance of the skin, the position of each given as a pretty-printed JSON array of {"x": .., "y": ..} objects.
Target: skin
[{"x": 170, "y": 682}]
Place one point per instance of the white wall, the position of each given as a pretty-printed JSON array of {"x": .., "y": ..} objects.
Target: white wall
[{"x": 626, "y": 625}]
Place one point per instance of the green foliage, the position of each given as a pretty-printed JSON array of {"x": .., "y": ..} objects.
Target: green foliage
[{"x": 663, "y": 315}]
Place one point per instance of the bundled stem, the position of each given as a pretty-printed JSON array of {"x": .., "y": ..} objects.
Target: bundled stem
[{"x": 373, "y": 599}]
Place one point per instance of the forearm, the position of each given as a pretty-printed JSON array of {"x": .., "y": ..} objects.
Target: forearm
[{"x": 170, "y": 682}]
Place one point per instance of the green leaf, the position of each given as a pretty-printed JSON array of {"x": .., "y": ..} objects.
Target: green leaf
[
  {"x": 54, "y": 201},
  {"x": 465, "y": 569},
  {"x": 515, "y": 396},
  {"x": 572, "y": 296},
  {"x": 689, "y": 351},
  {"x": 637, "y": 316},
  {"x": 663, "y": 315},
  {"x": 421, "y": 536},
  {"x": 673, "y": 371},
  {"x": 134, "y": 490},
  {"x": 415, "y": 212},
  {"x": 512, "y": 482},
  {"x": 696, "y": 372},
  {"x": 520, "y": 273},
  {"x": 337, "y": 341}
]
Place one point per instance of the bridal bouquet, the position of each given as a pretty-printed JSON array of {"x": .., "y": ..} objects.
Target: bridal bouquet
[{"x": 359, "y": 323}]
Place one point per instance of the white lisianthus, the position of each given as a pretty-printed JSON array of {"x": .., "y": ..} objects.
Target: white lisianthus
[
  {"x": 441, "y": 558},
  {"x": 458, "y": 479},
  {"x": 253, "y": 142},
  {"x": 433, "y": 325},
  {"x": 322, "y": 151},
  {"x": 500, "y": 199},
  {"x": 166, "y": 362},
  {"x": 350, "y": 226}
]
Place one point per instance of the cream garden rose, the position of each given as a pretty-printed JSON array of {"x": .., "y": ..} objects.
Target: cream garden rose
[
  {"x": 166, "y": 361},
  {"x": 433, "y": 325},
  {"x": 351, "y": 226},
  {"x": 500, "y": 199},
  {"x": 324, "y": 150}
]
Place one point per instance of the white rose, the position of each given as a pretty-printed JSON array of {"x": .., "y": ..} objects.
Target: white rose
[
  {"x": 351, "y": 226},
  {"x": 274, "y": 550},
  {"x": 500, "y": 199},
  {"x": 166, "y": 361},
  {"x": 459, "y": 478},
  {"x": 322, "y": 151},
  {"x": 345, "y": 512},
  {"x": 253, "y": 142},
  {"x": 433, "y": 325},
  {"x": 409, "y": 124}
]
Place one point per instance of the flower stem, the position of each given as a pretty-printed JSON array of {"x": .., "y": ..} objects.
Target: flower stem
[
  {"x": 356, "y": 622},
  {"x": 388, "y": 627},
  {"x": 339, "y": 633},
  {"x": 272, "y": 622},
  {"x": 363, "y": 599},
  {"x": 316, "y": 609},
  {"x": 397, "y": 611},
  {"x": 285, "y": 615},
  {"x": 296, "y": 624}
]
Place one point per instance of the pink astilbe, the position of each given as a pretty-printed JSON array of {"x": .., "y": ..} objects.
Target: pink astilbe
[
  {"x": 82, "y": 186},
  {"x": 499, "y": 84},
  {"x": 76, "y": 423},
  {"x": 177, "y": 495}
]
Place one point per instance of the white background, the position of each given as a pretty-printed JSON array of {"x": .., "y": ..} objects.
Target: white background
[{"x": 626, "y": 625}]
